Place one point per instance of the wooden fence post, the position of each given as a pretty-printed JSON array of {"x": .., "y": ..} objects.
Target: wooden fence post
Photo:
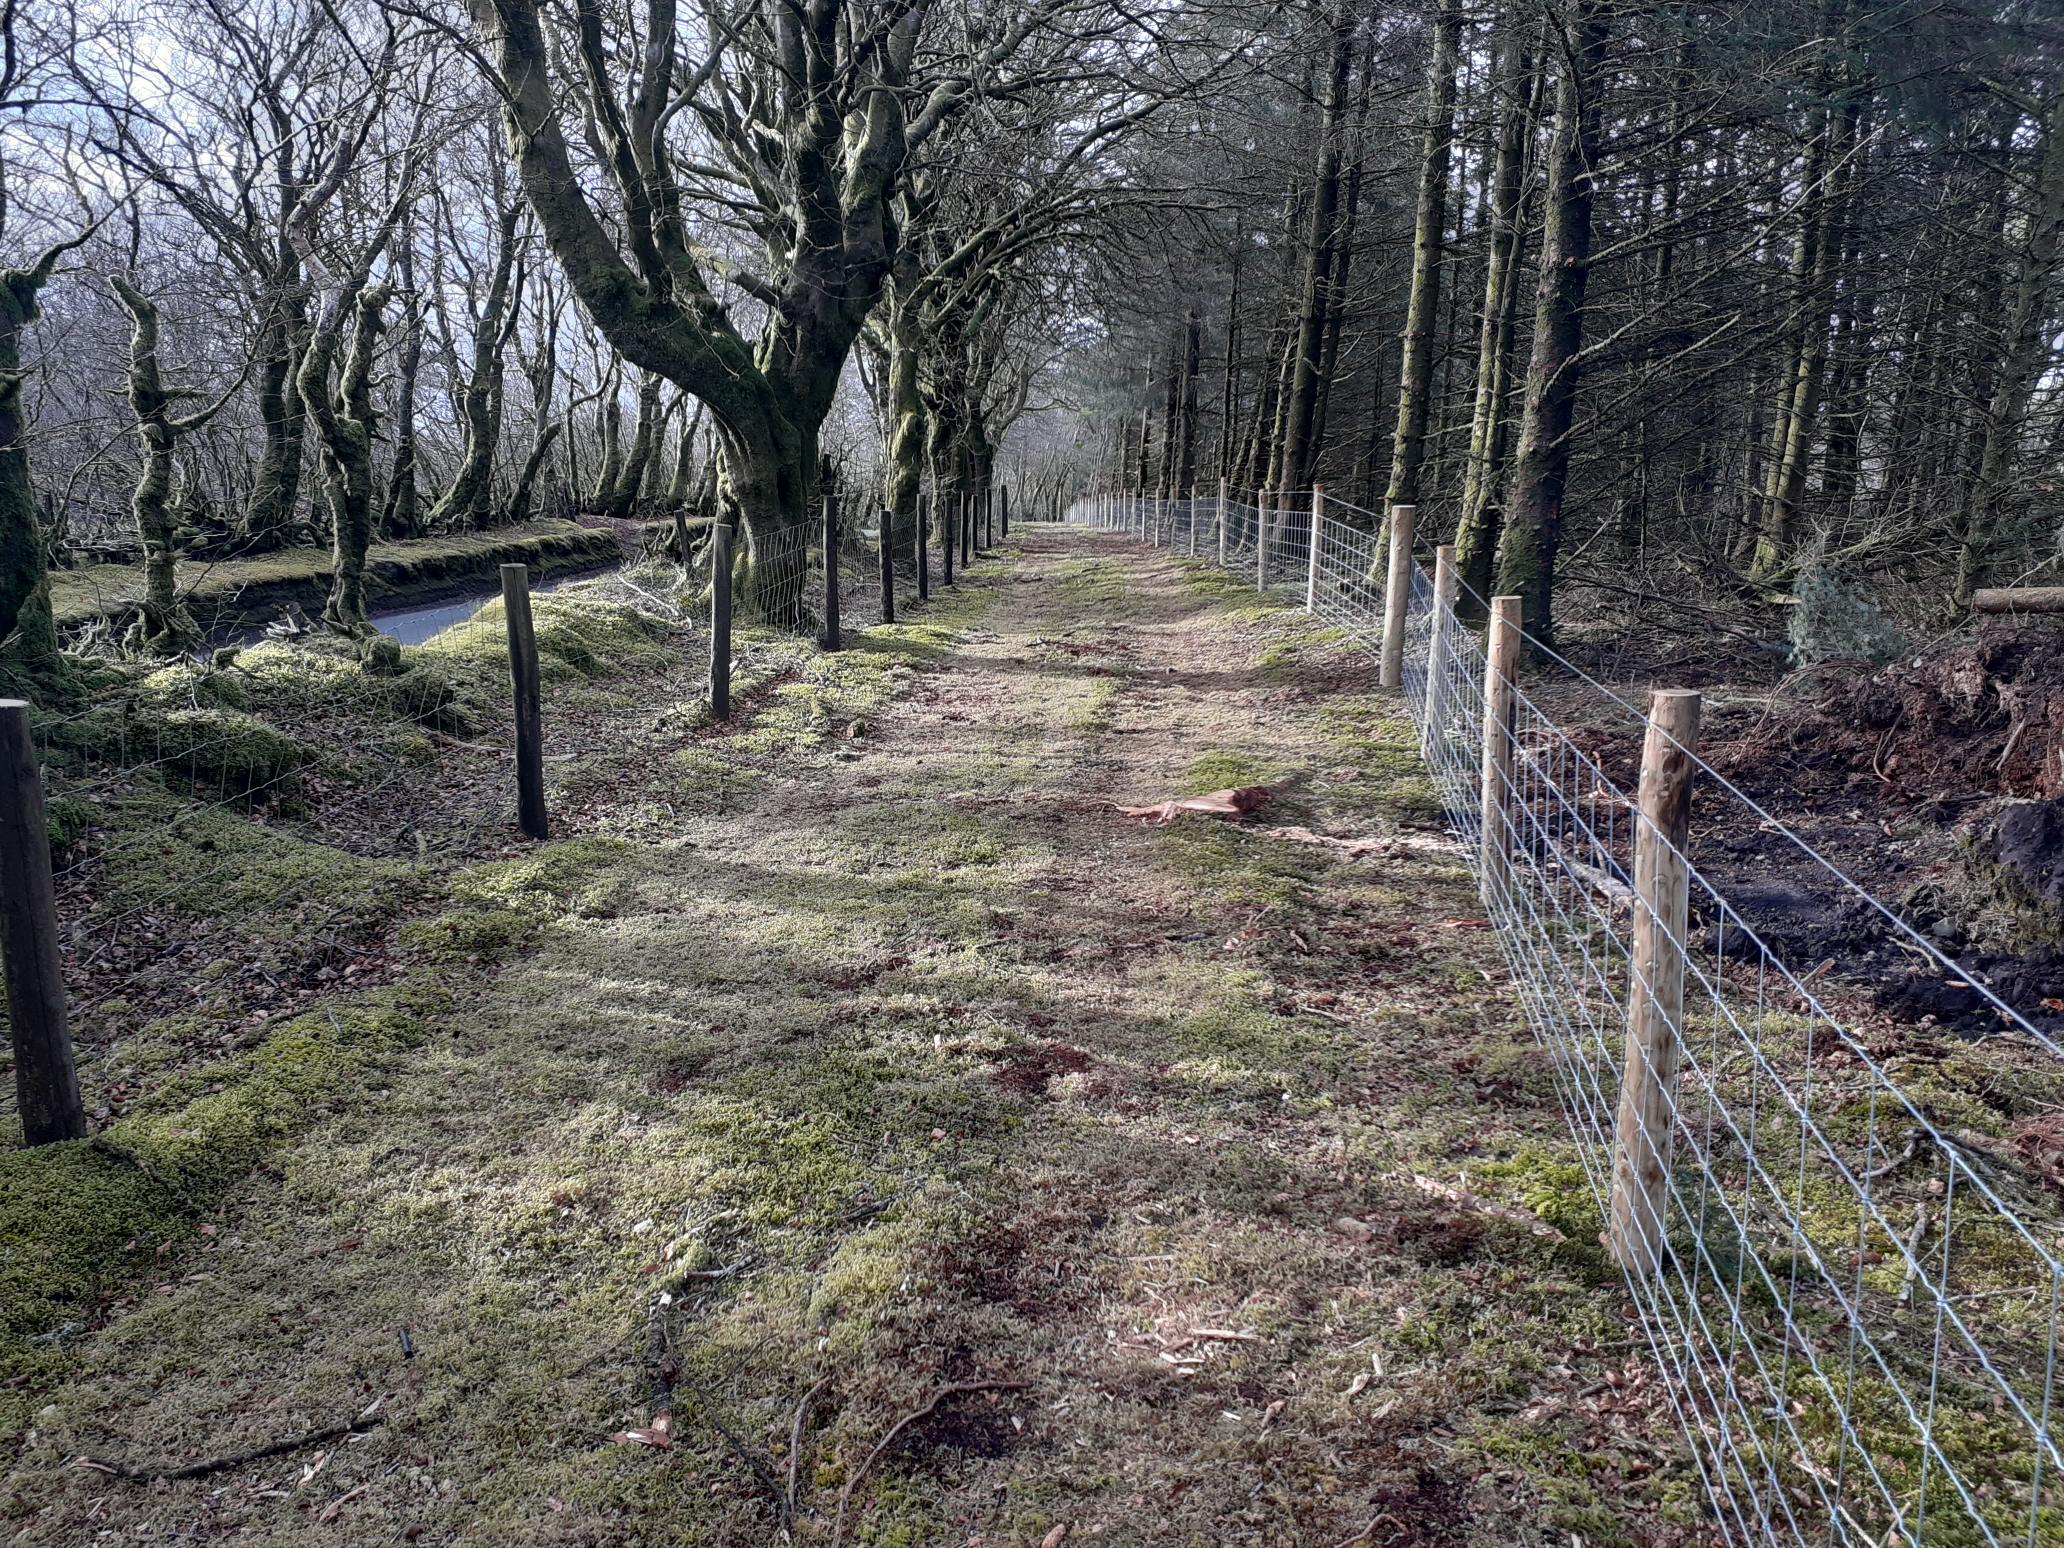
[
  {"x": 887, "y": 545},
  {"x": 1003, "y": 509},
  {"x": 967, "y": 532},
  {"x": 831, "y": 639},
  {"x": 1439, "y": 644},
  {"x": 1261, "y": 543},
  {"x": 1648, "y": 1077},
  {"x": 46, "y": 1083},
  {"x": 927, "y": 512},
  {"x": 1501, "y": 659},
  {"x": 1311, "y": 558},
  {"x": 1397, "y": 595},
  {"x": 524, "y": 680},
  {"x": 1222, "y": 498},
  {"x": 720, "y": 623},
  {"x": 949, "y": 528}
]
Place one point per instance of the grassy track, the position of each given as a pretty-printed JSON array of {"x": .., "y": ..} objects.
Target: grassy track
[{"x": 864, "y": 1051}]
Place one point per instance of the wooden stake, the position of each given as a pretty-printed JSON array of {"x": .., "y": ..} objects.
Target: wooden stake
[
  {"x": 1648, "y": 1078},
  {"x": 1438, "y": 644},
  {"x": 720, "y": 623},
  {"x": 831, "y": 639},
  {"x": 1501, "y": 658},
  {"x": 888, "y": 566},
  {"x": 46, "y": 1083},
  {"x": 1261, "y": 543},
  {"x": 1193, "y": 521},
  {"x": 926, "y": 512},
  {"x": 1003, "y": 509},
  {"x": 1397, "y": 595},
  {"x": 949, "y": 529},
  {"x": 1223, "y": 497},
  {"x": 530, "y": 723},
  {"x": 1311, "y": 559}
]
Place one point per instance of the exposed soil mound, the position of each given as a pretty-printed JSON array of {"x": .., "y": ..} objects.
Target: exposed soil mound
[{"x": 1984, "y": 718}]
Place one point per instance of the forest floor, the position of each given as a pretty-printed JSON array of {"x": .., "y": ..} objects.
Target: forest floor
[{"x": 874, "y": 1137}]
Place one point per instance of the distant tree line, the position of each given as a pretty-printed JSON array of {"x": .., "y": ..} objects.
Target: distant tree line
[{"x": 1676, "y": 299}]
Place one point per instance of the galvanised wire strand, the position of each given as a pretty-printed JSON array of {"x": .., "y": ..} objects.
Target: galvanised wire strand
[{"x": 1856, "y": 1317}]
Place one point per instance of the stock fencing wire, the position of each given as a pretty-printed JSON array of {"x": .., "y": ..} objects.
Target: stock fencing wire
[{"x": 1856, "y": 1304}]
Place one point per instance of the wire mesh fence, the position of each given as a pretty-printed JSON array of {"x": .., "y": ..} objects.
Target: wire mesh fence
[{"x": 1848, "y": 1275}]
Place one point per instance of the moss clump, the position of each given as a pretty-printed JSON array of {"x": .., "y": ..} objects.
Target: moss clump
[
  {"x": 68, "y": 821},
  {"x": 77, "y": 1218},
  {"x": 214, "y": 864},
  {"x": 578, "y": 636},
  {"x": 1556, "y": 1188},
  {"x": 227, "y": 750},
  {"x": 502, "y": 905}
]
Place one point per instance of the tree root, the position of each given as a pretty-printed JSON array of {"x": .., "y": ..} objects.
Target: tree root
[
  {"x": 838, "y": 1530},
  {"x": 366, "y": 1420}
]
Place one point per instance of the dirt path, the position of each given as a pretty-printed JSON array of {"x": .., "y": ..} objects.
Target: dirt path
[{"x": 903, "y": 1064}]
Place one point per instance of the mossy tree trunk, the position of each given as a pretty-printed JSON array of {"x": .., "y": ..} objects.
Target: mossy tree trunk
[
  {"x": 468, "y": 501},
  {"x": 840, "y": 117},
  {"x": 282, "y": 419},
  {"x": 339, "y": 398},
  {"x": 343, "y": 417},
  {"x": 909, "y": 423},
  {"x": 620, "y": 497},
  {"x": 542, "y": 368},
  {"x": 167, "y": 627},
  {"x": 1527, "y": 550},
  {"x": 401, "y": 514},
  {"x": 28, "y": 630}
]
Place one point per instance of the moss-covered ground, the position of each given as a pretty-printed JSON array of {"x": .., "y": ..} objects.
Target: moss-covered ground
[
  {"x": 847, "y": 1053},
  {"x": 227, "y": 592}
]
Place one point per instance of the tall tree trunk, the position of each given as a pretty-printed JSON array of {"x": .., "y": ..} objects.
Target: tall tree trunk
[
  {"x": 28, "y": 629},
  {"x": 1533, "y": 529},
  {"x": 1301, "y": 403},
  {"x": 1185, "y": 459},
  {"x": 1476, "y": 534},
  {"x": 468, "y": 500},
  {"x": 621, "y": 499},
  {"x": 1229, "y": 388},
  {"x": 282, "y": 419},
  {"x": 2028, "y": 349},
  {"x": 1171, "y": 424},
  {"x": 401, "y": 515},
  {"x": 166, "y": 627},
  {"x": 903, "y": 478},
  {"x": 1343, "y": 252},
  {"x": 1422, "y": 308},
  {"x": 343, "y": 417},
  {"x": 1797, "y": 408}
]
